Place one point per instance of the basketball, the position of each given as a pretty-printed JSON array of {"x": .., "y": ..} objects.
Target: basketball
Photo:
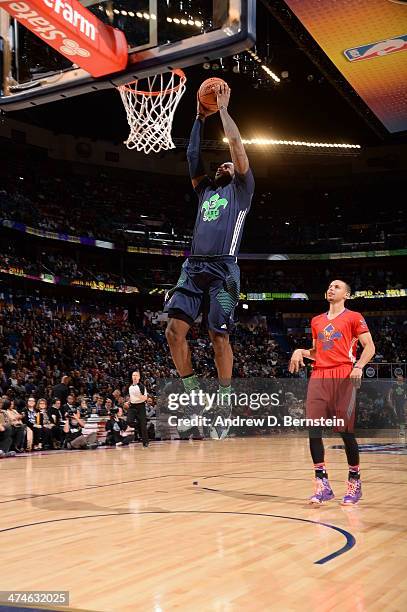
[{"x": 206, "y": 95}]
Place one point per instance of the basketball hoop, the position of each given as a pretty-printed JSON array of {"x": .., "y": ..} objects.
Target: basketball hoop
[{"x": 150, "y": 110}]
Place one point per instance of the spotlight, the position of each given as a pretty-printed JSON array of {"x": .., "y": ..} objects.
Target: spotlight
[
  {"x": 206, "y": 66},
  {"x": 285, "y": 74},
  {"x": 245, "y": 306}
]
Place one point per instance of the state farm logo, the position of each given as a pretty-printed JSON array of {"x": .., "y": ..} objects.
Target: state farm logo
[
  {"x": 47, "y": 30},
  {"x": 71, "y": 47},
  {"x": 72, "y": 16}
]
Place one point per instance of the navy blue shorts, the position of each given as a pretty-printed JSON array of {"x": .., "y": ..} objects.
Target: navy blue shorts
[{"x": 207, "y": 285}]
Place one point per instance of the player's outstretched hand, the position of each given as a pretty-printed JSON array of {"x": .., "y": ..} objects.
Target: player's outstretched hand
[
  {"x": 202, "y": 110},
  {"x": 356, "y": 377},
  {"x": 222, "y": 95},
  {"x": 296, "y": 362}
]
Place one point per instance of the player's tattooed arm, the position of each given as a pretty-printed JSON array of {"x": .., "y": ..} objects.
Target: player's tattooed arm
[
  {"x": 237, "y": 150},
  {"x": 298, "y": 356}
]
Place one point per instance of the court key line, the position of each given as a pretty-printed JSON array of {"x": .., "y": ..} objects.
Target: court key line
[{"x": 350, "y": 539}]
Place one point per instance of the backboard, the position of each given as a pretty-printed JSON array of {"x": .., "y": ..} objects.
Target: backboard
[{"x": 161, "y": 35}]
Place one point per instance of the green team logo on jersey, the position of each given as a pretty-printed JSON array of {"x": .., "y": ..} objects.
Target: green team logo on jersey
[{"x": 212, "y": 207}]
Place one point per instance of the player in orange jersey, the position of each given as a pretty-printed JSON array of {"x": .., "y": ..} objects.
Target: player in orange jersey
[{"x": 332, "y": 388}]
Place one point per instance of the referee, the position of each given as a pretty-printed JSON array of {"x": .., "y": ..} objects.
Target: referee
[{"x": 137, "y": 409}]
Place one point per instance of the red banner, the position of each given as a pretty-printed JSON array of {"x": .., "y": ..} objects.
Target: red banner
[{"x": 74, "y": 32}]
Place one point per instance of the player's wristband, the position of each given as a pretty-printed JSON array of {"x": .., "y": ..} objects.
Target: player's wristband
[{"x": 357, "y": 367}]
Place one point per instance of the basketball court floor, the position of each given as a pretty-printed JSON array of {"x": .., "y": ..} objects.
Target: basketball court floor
[{"x": 207, "y": 525}]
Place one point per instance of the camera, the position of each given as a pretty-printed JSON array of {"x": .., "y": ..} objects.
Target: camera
[
  {"x": 72, "y": 411},
  {"x": 114, "y": 410}
]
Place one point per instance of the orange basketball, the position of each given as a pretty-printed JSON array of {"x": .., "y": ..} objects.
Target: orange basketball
[{"x": 207, "y": 96}]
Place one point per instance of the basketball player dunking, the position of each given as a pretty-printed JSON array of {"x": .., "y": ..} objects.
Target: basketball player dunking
[
  {"x": 332, "y": 388},
  {"x": 211, "y": 272}
]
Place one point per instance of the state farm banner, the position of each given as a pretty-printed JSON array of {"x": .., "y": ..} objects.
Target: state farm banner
[{"x": 74, "y": 32}]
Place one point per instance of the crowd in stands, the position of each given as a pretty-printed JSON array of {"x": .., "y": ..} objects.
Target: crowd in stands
[
  {"x": 290, "y": 277},
  {"x": 256, "y": 276},
  {"x": 84, "y": 359},
  {"x": 96, "y": 207},
  {"x": 142, "y": 211}
]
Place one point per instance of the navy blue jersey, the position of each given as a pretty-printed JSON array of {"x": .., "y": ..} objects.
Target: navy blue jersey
[{"x": 221, "y": 215}]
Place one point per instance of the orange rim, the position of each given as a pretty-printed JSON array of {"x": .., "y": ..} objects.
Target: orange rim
[{"x": 127, "y": 87}]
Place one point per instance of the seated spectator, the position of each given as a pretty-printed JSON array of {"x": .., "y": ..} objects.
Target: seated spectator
[
  {"x": 70, "y": 403},
  {"x": 42, "y": 427},
  {"x": 74, "y": 438},
  {"x": 56, "y": 418},
  {"x": 84, "y": 409},
  {"x": 118, "y": 432},
  {"x": 100, "y": 407},
  {"x": 109, "y": 405},
  {"x": 29, "y": 419},
  {"x": 15, "y": 420},
  {"x": 6, "y": 434}
]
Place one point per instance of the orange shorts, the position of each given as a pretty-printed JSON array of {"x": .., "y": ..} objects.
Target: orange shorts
[{"x": 331, "y": 393}]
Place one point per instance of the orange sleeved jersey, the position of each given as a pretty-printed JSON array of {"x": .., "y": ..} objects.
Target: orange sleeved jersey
[{"x": 336, "y": 339}]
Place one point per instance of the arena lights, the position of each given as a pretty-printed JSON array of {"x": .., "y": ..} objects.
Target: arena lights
[
  {"x": 191, "y": 21},
  {"x": 296, "y": 143},
  {"x": 266, "y": 69},
  {"x": 184, "y": 22}
]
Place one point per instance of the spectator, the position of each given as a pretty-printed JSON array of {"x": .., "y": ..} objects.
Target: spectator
[
  {"x": 15, "y": 421},
  {"x": 61, "y": 390},
  {"x": 118, "y": 432},
  {"x": 70, "y": 404},
  {"x": 6, "y": 435},
  {"x": 29, "y": 419},
  {"x": 42, "y": 427},
  {"x": 56, "y": 418},
  {"x": 74, "y": 437}
]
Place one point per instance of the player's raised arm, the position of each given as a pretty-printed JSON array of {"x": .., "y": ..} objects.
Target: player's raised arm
[
  {"x": 237, "y": 150},
  {"x": 195, "y": 162}
]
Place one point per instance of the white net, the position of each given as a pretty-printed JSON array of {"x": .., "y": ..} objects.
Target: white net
[{"x": 150, "y": 110}]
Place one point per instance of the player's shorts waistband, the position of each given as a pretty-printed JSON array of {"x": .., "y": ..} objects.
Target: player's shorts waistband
[
  {"x": 213, "y": 258},
  {"x": 336, "y": 372},
  {"x": 336, "y": 367}
]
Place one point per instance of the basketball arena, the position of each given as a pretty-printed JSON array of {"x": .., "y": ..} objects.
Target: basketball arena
[{"x": 203, "y": 305}]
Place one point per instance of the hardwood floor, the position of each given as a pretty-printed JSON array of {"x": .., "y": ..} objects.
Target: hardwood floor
[{"x": 126, "y": 529}]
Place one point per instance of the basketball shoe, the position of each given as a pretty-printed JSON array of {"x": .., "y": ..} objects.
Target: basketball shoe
[
  {"x": 354, "y": 492},
  {"x": 323, "y": 491}
]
